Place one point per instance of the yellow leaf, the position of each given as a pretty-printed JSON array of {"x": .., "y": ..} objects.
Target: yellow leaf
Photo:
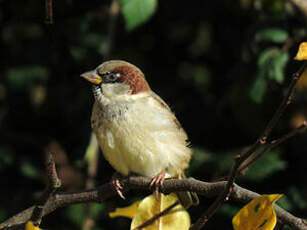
[
  {"x": 126, "y": 211},
  {"x": 302, "y": 52},
  {"x": 297, "y": 119},
  {"x": 31, "y": 226},
  {"x": 258, "y": 214},
  {"x": 177, "y": 218}
]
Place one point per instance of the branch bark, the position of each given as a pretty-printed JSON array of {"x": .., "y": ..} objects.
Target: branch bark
[
  {"x": 53, "y": 183},
  {"x": 104, "y": 192}
]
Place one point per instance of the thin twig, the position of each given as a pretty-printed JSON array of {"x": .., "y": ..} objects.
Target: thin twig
[
  {"x": 49, "y": 12},
  {"x": 53, "y": 183},
  {"x": 113, "y": 15},
  {"x": 286, "y": 101},
  {"x": 272, "y": 145},
  {"x": 156, "y": 217},
  {"x": 203, "y": 219}
]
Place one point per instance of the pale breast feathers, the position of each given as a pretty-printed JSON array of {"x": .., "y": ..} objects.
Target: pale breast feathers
[{"x": 152, "y": 137}]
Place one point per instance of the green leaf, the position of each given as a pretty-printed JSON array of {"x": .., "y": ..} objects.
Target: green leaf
[
  {"x": 6, "y": 157},
  {"x": 200, "y": 157},
  {"x": 137, "y": 12},
  {"x": 3, "y": 214},
  {"x": 266, "y": 56},
  {"x": 279, "y": 63},
  {"x": 226, "y": 160},
  {"x": 94, "y": 40},
  {"x": 229, "y": 210},
  {"x": 265, "y": 166},
  {"x": 298, "y": 199},
  {"x": 76, "y": 214},
  {"x": 28, "y": 170},
  {"x": 199, "y": 75},
  {"x": 78, "y": 52},
  {"x": 95, "y": 210},
  {"x": 272, "y": 34},
  {"x": 25, "y": 75},
  {"x": 258, "y": 89},
  {"x": 285, "y": 203},
  {"x": 271, "y": 65}
]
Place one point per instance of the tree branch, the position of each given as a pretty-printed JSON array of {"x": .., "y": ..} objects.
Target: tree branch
[
  {"x": 105, "y": 192},
  {"x": 273, "y": 144},
  {"x": 52, "y": 184},
  {"x": 240, "y": 159}
]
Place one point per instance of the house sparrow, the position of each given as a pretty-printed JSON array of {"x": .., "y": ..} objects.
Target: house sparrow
[{"x": 135, "y": 128}]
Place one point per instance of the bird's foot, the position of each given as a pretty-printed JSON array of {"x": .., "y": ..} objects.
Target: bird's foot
[
  {"x": 116, "y": 185},
  {"x": 157, "y": 181}
]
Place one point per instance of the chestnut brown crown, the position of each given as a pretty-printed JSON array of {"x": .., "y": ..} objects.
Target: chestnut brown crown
[{"x": 117, "y": 71}]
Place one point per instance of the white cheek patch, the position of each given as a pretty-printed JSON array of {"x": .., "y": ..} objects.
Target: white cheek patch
[{"x": 110, "y": 140}]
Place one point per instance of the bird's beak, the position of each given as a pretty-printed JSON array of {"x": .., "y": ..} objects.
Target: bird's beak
[{"x": 92, "y": 77}]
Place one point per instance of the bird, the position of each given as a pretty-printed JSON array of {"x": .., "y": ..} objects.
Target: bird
[{"x": 135, "y": 129}]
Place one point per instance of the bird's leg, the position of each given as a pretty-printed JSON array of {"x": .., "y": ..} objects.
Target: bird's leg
[
  {"x": 116, "y": 185},
  {"x": 157, "y": 181}
]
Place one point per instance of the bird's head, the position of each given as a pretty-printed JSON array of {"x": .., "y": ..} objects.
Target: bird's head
[{"x": 118, "y": 77}]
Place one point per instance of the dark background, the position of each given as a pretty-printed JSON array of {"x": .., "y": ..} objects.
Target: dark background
[{"x": 223, "y": 67}]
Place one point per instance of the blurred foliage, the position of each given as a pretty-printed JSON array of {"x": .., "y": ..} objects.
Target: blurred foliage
[
  {"x": 137, "y": 12},
  {"x": 265, "y": 167},
  {"x": 75, "y": 213},
  {"x": 270, "y": 163},
  {"x": 223, "y": 66}
]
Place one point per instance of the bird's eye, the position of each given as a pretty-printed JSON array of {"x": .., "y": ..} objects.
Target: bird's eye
[{"x": 109, "y": 77}]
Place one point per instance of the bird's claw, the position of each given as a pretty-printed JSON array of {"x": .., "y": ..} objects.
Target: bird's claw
[
  {"x": 156, "y": 182},
  {"x": 116, "y": 185}
]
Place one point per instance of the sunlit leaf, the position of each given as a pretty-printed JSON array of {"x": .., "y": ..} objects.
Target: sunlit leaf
[
  {"x": 302, "y": 52},
  {"x": 258, "y": 214},
  {"x": 126, "y": 211},
  {"x": 177, "y": 218},
  {"x": 31, "y": 226},
  {"x": 137, "y": 12}
]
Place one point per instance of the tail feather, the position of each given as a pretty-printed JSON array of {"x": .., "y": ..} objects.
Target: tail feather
[{"x": 187, "y": 198}]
